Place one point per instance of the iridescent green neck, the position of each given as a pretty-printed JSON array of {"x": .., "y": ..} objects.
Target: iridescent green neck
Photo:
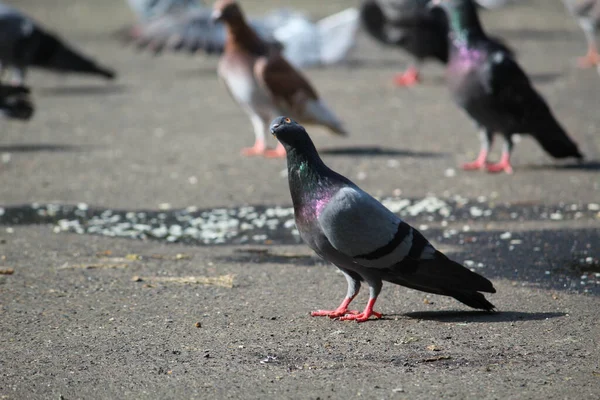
[{"x": 464, "y": 23}]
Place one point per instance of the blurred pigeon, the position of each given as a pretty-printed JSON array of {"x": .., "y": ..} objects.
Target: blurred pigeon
[
  {"x": 190, "y": 28},
  {"x": 263, "y": 83},
  {"x": 15, "y": 102},
  {"x": 492, "y": 88},
  {"x": 411, "y": 25},
  {"x": 146, "y": 10},
  {"x": 367, "y": 242},
  {"x": 587, "y": 13},
  {"x": 23, "y": 44}
]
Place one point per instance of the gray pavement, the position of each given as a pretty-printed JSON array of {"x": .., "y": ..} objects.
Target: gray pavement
[{"x": 90, "y": 316}]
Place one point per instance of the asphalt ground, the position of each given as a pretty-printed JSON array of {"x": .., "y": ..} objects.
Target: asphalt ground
[{"x": 97, "y": 309}]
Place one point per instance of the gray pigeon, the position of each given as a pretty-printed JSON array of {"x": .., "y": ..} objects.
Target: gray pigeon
[
  {"x": 15, "y": 102},
  {"x": 587, "y": 13},
  {"x": 367, "y": 242},
  {"x": 487, "y": 82},
  {"x": 145, "y": 10},
  {"x": 187, "y": 26},
  {"x": 23, "y": 44}
]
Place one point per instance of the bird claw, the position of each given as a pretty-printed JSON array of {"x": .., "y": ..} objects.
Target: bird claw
[
  {"x": 362, "y": 317},
  {"x": 333, "y": 313},
  {"x": 408, "y": 78},
  {"x": 472, "y": 166},
  {"x": 253, "y": 151},
  {"x": 279, "y": 152},
  {"x": 589, "y": 60},
  {"x": 499, "y": 167}
]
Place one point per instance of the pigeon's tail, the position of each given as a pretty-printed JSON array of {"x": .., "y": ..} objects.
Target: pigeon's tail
[
  {"x": 374, "y": 22},
  {"x": 317, "y": 112},
  {"x": 55, "y": 55},
  {"x": 15, "y": 102},
  {"x": 553, "y": 138},
  {"x": 440, "y": 275}
]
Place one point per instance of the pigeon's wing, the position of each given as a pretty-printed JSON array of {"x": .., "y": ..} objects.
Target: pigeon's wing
[
  {"x": 186, "y": 31},
  {"x": 286, "y": 85},
  {"x": 360, "y": 227},
  {"x": 581, "y": 8},
  {"x": 513, "y": 96},
  {"x": 145, "y": 10},
  {"x": 337, "y": 35}
]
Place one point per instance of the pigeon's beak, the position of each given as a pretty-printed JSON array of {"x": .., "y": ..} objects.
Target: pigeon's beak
[
  {"x": 273, "y": 128},
  {"x": 216, "y": 15}
]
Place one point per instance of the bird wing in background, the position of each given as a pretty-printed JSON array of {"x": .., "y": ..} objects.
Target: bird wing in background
[{"x": 145, "y": 10}]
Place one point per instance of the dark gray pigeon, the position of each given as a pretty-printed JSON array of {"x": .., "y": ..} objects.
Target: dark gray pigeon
[
  {"x": 492, "y": 88},
  {"x": 587, "y": 13},
  {"x": 15, "y": 102},
  {"x": 366, "y": 241},
  {"x": 410, "y": 25},
  {"x": 23, "y": 44}
]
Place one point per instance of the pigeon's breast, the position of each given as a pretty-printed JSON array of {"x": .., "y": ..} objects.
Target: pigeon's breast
[{"x": 236, "y": 70}]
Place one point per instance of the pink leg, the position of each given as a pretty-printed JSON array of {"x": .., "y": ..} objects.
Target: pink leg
[
  {"x": 258, "y": 149},
  {"x": 278, "y": 152},
  {"x": 409, "y": 78},
  {"x": 503, "y": 165},
  {"x": 338, "y": 312},
  {"x": 363, "y": 316},
  {"x": 592, "y": 58},
  {"x": 479, "y": 163}
]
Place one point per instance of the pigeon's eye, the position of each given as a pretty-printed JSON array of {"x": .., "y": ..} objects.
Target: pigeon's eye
[{"x": 287, "y": 120}]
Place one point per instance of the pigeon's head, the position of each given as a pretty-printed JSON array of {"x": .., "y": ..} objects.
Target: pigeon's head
[
  {"x": 291, "y": 134},
  {"x": 226, "y": 11}
]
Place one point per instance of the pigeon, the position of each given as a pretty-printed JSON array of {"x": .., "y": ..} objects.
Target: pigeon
[
  {"x": 145, "y": 10},
  {"x": 188, "y": 27},
  {"x": 15, "y": 102},
  {"x": 491, "y": 87},
  {"x": 23, "y": 44},
  {"x": 411, "y": 25},
  {"x": 263, "y": 82},
  {"x": 367, "y": 242},
  {"x": 587, "y": 13}
]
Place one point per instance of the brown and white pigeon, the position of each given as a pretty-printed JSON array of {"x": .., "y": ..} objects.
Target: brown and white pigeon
[
  {"x": 23, "y": 44},
  {"x": 263, "y": 83},
  {"x": 587, "y": 13},
  {"x": 367, "y": 242}
]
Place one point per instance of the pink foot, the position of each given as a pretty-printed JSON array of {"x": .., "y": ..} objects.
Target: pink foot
[
  {"x": 409, "y": 78},
  {"x": 257, "y": 150},
  {"x": 475, "y": 165},
  {"x": 499, "y": 167},
  {"x": 339, "y": 312},
  {"x": 591, "y": 59},
  {"x": 363, "y": 316},
  {"x": 278, "y": 152}
]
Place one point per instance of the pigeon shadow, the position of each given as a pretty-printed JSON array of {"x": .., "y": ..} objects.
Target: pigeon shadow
[
  {"x": 535, "y": 34},
  {"x": 545, "y": 77},
  {"x": 378, "y": 151},
  {"x": 265, "y": 256},
  {"x": 83, "y": 90},
  {"x": 591, "y": 166},
  {"x": 482, "y": 316},
  {"x": 40, "y": 148}
]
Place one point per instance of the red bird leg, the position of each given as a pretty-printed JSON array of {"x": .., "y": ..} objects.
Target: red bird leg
[
  {"x": 504, "y": 164},
  {"x": 486, "y": 142},
  {"x": 338, "y": 312},
  {"x": 410, "y": 77},
  {"x": 278, "y": 152},
  {"x": 363, "y": 316},
  {"x": 258, "y": 149},
  {"x": 592, "y": 57}
]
